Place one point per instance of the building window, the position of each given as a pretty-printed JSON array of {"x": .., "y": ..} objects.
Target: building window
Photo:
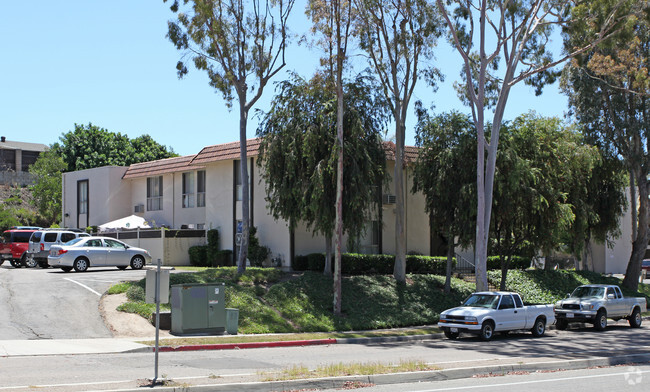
[
  {"x": 82, "y": 197},
  {"x": 7, "y": 159},
  {"x": 376, "y": 233},
  {"x": 200, "y": 188},
  {"x": 154, "y": 193},
  {"x": 29, "y": 158},
  {"x": 188, "y": 190}
]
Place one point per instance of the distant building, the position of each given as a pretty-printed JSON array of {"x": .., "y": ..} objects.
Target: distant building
[{"x": 15, "y": 159}]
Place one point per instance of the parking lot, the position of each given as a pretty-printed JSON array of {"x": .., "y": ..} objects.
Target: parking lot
[{"x": 38, "y": 303}]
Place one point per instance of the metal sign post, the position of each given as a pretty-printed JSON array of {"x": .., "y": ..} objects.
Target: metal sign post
[{"x": 157, "y": 320}]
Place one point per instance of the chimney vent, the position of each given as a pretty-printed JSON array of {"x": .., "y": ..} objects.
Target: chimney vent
[{"x": 3, "y": 139}]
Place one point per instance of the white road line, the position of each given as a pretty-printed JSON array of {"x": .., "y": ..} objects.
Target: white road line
[
  {"x": 84, "y": 286},
  {"x": 529, "y": 382}
]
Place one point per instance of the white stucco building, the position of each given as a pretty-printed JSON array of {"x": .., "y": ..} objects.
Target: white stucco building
[{"x": 203, "y": 191}]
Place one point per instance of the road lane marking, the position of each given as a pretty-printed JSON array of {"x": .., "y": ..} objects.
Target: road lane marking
[
  {"x": 83, "y": 285},
  {"x": 528, "y": 382}
]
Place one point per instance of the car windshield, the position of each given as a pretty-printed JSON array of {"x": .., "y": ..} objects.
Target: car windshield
[
  {"x": 588, "y": 292},
  {"x": 72, "y": 242},
  {"x": 482, "y": 301}
]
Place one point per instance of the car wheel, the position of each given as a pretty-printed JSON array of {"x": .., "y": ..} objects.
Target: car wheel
[
  {"x": 450, "y": 335},
  {"x": 487, "y": 331},
  {"x": 121, "y": 267},
  {"x": 15, "y": 263},
  {"x": 561, "y": 324},
  {"x": 81, "y": 264},
  {"x": 29, "y": 261},
  {"x": 635, "y": 318},
  {"x": 539, "y": 327},
  {"x": 601, "y": 320},
  {"x": 66, "y": 269},
  {"x": 2, "y": 261},
  {"x": 137, "y": 262}
]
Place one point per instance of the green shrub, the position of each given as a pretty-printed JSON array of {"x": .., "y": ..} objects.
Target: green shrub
[
  {"x": 222, "y": 258},
  {"x": 316, "y": 262},
  {"x": 427, "y": 265},
  {"x": 135, "y": 293},
  {"x": 516, "y": 262},
  {"x": 198, "y": 255},
  {"x": 299, "y": 263},
  {"x": 256, "y": 252}
]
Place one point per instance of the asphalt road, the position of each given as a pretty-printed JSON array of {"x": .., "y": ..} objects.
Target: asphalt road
[{"x": 38, "y": 303}]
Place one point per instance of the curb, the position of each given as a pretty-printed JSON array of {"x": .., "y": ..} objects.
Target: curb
[{"x": 411, "y": 377}]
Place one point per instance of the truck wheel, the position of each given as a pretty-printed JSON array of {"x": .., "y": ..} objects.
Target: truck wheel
[
  {"x": 29, "y": 262},
  {"x": 600, "y": 323},
  {"x": 487, "y": 331},
  {"x": 561, "y": 324},
  {"x": 635, "y": 318},
  {"x": 450, "y": 335},
  {"x": 539, "y": 327}
]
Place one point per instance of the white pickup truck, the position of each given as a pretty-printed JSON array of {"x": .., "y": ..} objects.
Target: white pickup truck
[
  {"x": 485, "y": 313},
  {"x": 595, "y": 303}
]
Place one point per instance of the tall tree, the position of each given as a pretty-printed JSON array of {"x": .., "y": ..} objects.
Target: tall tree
[
  {"x": 608, "y": 90},
  {"x": 298, "y": 156},
  {"x": 398, "y": 35},
  {"x": 540, "y": 163},
  {"x": 90, "y": 146},
  {"x": 47, "y": 188},
  {"x": 240, "y": 44},
  {"x": 333, "y": 20},
  {"x": 445, "y": 174},
  {"x": 518, "y": 33}
]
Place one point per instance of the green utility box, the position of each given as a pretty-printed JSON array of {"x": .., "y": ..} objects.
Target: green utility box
[{"x": 198, "y": 308}]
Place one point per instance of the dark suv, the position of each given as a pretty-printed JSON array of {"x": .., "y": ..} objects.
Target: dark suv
[{"x": 14, "y": 245}]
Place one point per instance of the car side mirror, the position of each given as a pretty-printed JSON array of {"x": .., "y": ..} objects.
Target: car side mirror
[{"x": 611, "y": 296}]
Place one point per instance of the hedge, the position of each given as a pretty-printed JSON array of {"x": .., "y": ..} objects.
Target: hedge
[
  {"x": 516, "y": 262},
  {"x": 199, "y": 256}
]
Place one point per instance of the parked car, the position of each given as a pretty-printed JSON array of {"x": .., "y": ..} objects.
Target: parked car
[
  {"x": 41, "y": 241},
  {"x": 14, "y": 245},
  {"x": 485, "y": 313},
  {"x": 595, "y": 303},
  {"x": 84, "y": 252},
  {"x": 645, "y": 265}
]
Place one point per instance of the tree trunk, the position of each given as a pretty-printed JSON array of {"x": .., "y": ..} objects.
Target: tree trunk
[
  {"x": 399, "y": 271},
  {"x": 450, "y": 262},
  {"x": 640, "y": 244},
  {"x": 327, "y": 270},
  {"x": 245, "y": 204},
  {"x": 338, "y": 236},
  {"x": 504, "y": 272}
]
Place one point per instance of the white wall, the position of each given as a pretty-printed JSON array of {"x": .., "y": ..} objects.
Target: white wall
[{"x": 108, "y": 196}]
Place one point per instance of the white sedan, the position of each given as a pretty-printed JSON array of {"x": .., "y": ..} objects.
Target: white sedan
[{"x": 84, "y": 252}]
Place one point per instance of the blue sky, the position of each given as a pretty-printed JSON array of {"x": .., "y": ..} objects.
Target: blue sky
[{"x": 109, "y": 63}]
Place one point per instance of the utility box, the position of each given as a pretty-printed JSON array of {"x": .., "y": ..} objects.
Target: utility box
[{"x": 198, "y": 308}]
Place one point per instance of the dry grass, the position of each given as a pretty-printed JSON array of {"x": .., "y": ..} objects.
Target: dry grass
[{"x": 347, "y": 369}]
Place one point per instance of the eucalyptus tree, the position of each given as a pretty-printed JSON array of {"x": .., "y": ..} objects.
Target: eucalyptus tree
[
  {"x": 398, "y": 37},
  {"x": 333, "y": 20},
  {"x": 446, "y": 175},
  {"x": 298, "y": 154},
  {"x": 608, "y": 90},
  {"x": 494, "y": 39},
  {"x": 240, "y": 44}
]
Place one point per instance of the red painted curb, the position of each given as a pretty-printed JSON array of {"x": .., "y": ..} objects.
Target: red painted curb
[{"x": 232, "y": 346}]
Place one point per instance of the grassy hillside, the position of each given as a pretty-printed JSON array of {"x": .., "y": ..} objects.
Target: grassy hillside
[{"x": 272, "y": 302}]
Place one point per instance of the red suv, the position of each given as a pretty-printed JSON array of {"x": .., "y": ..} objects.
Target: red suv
[{"x": 14, "y": 245}]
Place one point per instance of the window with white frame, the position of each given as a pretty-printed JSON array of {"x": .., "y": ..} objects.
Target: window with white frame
[
  {"x": 188, "y": 190},
  {"x": 154, "y": 193},
  {"x": 200, "y": 188}
]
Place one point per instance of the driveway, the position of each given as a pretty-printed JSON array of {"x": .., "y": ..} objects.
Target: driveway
[{"x": 40, "y": 303}]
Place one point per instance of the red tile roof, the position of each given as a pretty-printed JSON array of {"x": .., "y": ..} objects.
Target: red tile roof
[
  {"x": 224, "y": 152},
  {"x": 410, "y": 152},
  {"x": 162, "y": 166}
]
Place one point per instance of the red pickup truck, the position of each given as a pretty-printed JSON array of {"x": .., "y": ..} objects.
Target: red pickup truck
[{"x": 14, "y": 245}]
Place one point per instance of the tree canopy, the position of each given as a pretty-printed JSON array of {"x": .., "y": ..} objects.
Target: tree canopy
[{"x": 90, "y": 146}]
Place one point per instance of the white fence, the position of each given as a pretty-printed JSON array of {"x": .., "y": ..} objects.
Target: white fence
[{"x": 170, "y": 246}]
